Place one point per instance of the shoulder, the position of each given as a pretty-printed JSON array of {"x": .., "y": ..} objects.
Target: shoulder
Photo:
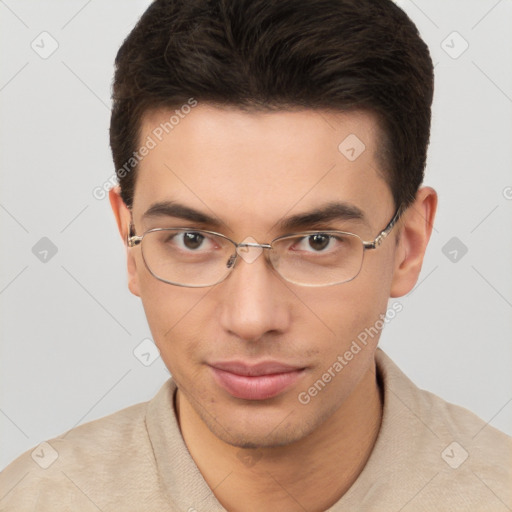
[
  {"x": 436, "y": 454},
  {"x": 439, "y": 418},
  {"x": 92, "y": 466}
]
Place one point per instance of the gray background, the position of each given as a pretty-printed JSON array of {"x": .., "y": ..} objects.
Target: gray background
[{"x": 68, "y": 324}]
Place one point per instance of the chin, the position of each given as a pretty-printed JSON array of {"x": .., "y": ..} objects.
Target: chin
[
  {"x": 261, "y": 439},
  {"x": 267, "y": 429}
]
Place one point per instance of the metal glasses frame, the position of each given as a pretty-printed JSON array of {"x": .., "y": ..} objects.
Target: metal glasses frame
[{"x": 133, "y": 240}]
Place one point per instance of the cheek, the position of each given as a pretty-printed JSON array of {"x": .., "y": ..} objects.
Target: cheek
[
  {"x": 351, "y": 319},
  {"x": 351, "y": 315},
  {"x": 176, "y": 318},
  {"x": 339, "y": 313}
]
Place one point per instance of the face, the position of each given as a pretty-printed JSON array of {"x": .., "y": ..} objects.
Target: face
[{"x": 245, "y": 352}]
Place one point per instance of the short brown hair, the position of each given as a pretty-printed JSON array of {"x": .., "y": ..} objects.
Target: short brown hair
[{"x": 338, "y": 55}]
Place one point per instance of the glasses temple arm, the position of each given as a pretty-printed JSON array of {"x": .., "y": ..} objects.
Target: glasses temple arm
[{"x": 385, "y": 232}]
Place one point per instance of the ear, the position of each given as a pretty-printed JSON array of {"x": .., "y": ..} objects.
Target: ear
[
  {"x": 416, "y": 227},
  {"x": 123, "y": 218}
]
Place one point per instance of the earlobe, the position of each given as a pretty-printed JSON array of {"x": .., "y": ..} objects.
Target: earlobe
[
  {"x": 123, "y": 219},
  {"x": 416, "y": 228}
]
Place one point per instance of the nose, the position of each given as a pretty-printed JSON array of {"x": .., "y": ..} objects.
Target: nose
[{"x": 253, "y": 302}]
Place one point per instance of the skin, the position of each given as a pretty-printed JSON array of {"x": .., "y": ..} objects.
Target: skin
[{"x": 250, "y": 171}]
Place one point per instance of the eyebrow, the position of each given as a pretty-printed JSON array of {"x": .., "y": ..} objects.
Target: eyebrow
[
  {"x": 180, "y": 211},
  {"x": 326, "y": 213}
]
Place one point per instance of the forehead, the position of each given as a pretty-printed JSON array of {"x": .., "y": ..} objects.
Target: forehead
[{"x": 257, "y": 167}]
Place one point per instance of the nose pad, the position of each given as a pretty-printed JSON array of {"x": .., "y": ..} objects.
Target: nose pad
[
  {"x": 274, "y": 260},
  {"x": 231, "y": 260},
  {"x": 249, "y": 250}
]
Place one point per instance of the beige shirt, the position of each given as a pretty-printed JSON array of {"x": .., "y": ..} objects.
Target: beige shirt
[{"x": 429, "y": 456}]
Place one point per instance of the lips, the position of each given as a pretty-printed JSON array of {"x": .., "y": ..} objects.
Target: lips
[{"x": 255, "y": 382}]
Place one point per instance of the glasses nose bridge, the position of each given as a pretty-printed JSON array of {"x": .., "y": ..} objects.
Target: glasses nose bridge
[
  {"x": 253, "y": 244},
  {"x": 244, "y": 246}
]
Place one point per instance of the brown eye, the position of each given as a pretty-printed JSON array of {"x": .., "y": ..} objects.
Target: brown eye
[
  {"x": 319, "y": 241},
  {"x": 192, "y": 240}
]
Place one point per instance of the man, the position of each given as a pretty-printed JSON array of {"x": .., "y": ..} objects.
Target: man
[{"x": 270, "y": 156}]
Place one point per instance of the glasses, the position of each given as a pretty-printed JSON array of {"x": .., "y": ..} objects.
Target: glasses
[{"x": 198, "y": 258}]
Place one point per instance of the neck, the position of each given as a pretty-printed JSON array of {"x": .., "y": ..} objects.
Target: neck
[{"x": 311, "y": 474}]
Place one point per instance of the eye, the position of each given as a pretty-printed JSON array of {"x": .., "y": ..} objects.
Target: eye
[
  {"x": 317, "y": 242},
  {"x": 191, "y": 241}
]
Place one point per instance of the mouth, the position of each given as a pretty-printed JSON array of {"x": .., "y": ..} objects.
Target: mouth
[{"x": 255, "y": 382}]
